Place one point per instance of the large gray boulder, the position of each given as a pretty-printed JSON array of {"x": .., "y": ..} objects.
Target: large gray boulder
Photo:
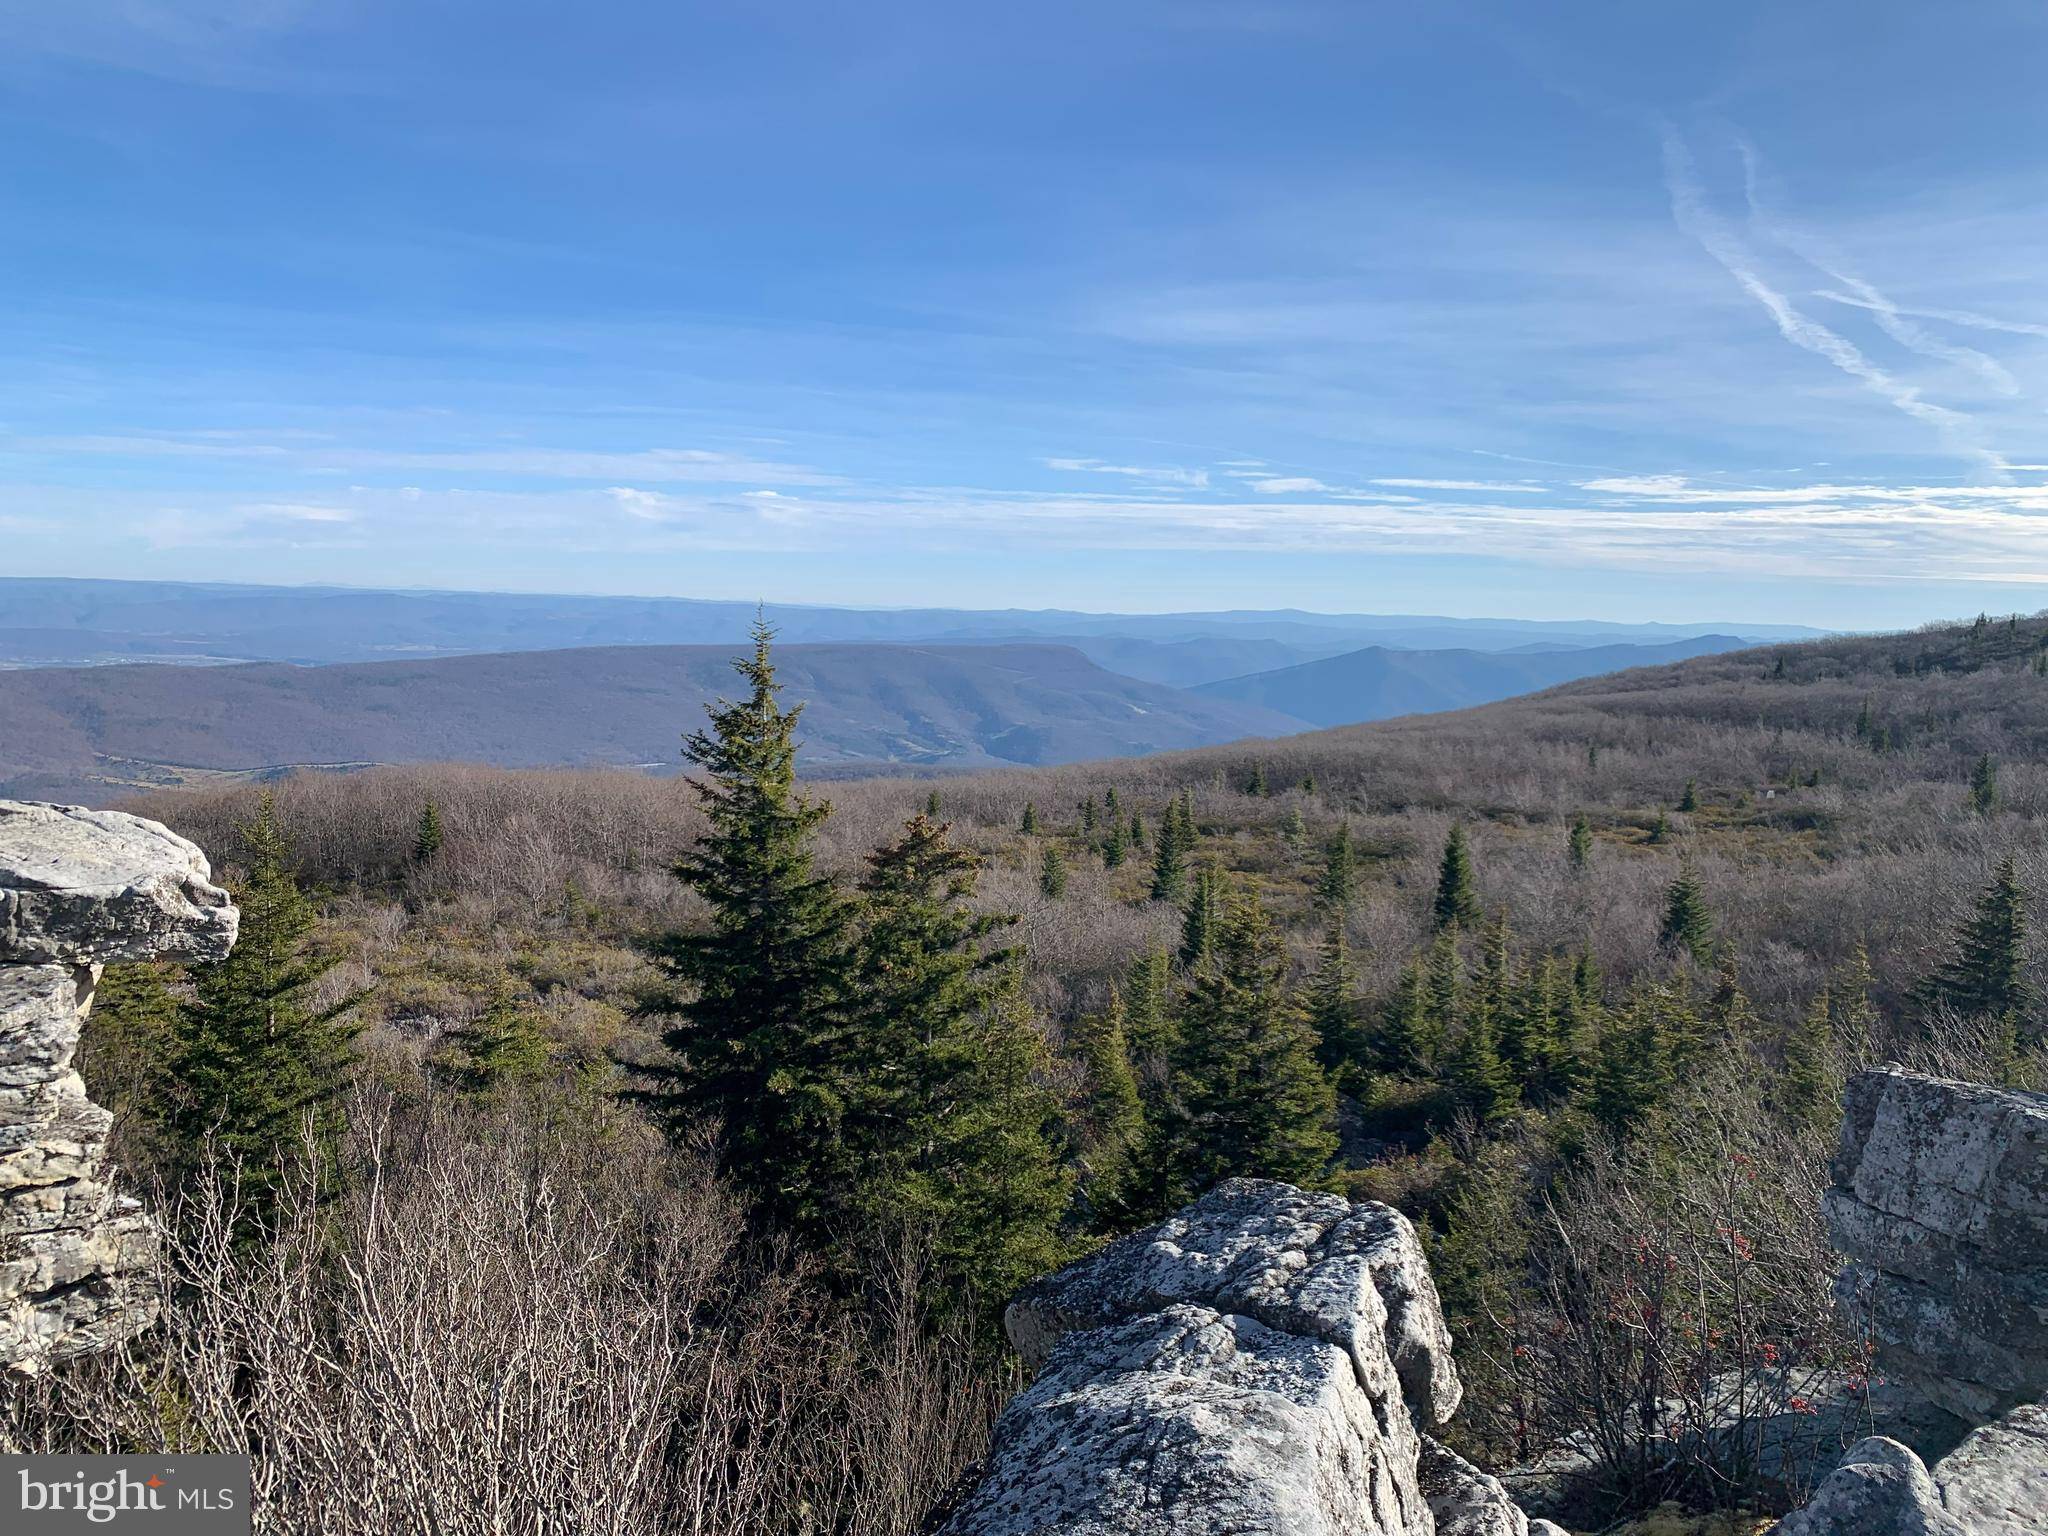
[
  {"x": 78, "y": 888},
  {"x": 1994, "y": 1484},
  {"x": 1259, "y": 1362},
  {"x": 1940, "y": 1200}
]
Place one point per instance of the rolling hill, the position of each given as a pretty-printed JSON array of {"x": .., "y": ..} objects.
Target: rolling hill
[
  {"x": 88, "y": 732},
  {"x": 1378, "y": 683}
]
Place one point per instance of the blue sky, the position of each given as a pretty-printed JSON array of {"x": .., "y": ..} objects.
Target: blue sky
[{"x": 1638, "y": 311}]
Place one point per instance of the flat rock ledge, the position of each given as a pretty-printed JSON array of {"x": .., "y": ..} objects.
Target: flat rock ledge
[
  {"x": 78, "y": 889},
  {"x": 1265, "y": 1361}
]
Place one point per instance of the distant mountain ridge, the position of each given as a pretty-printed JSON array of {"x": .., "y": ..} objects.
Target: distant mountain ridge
[
  {"x": 1378, "y": 683},
  {"x": 53, "y": 622},
  {"x": 92, "y": 732}
]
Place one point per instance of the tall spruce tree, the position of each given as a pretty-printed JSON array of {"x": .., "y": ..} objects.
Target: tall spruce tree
[
  {"x": 1985, "y": 973},
  {"x": 1688, "y": 922},
  {"x": 1810, "y": 1091},
  {"x": 1404, "y": 1039},
  {"x": 1330, "y": 1003},
  {"x": 1028, "y": 822},
  {"x": 1578, "y": 848},
  {"x": 427, "y": 839},
  {"x": 1201, "y": 918},
  {"x": 1113, "y": 1115},
  {"x": 1052, "y": 873},
  {"x": 257, "y": 1066},
  {"x": 1457, "y": 892},
  {"x": 761, "y": 1015},
  {"x": 1984, "y": 786},
  {"x": 1148, "y": 1004},
  {"x": 1633, "y": 1071},
  {"x": 1338, "y": 883},
  {"x": 1114, "y": 845},
  {"x": 1171, "y": 848},
  {"x": 1257, "y": 1103}
]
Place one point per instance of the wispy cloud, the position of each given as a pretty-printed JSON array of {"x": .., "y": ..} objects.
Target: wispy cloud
[
  {"x": 1961, "y": 317},
  {"x": 1158, "y": 474},
  {"x": 1689, "y": 208},
  {"x": 1511, "y": 487}
]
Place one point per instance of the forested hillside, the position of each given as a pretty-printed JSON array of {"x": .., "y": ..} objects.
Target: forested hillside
[{"x": 1573, "y": 978}]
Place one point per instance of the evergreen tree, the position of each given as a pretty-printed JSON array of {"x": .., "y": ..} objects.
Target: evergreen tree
[
  {"x": 1296, "y": 830},
  {"x": 1528, "y": 1031},
  {"x": 1338, "y": 883},
  {"x": 1308, "y": 780},
  {"x": 1331, "y": 1006},
  {"x": 1113, "y": 845},
  {"x": 1137, "y": 830},
  {"x": 1688, "y": 924},
  {"x": 426, "y": 841},
  {"x": 128, "y": 1036},
  {"x": 1028, "y": 823},
  {"x": 1256, "y": 784},
  {"x": 506, "y": 1044},
  {"x": 1811, "y": 1089},
  {"x": 1406, "y": 1034},
  {"x": 1730, "y": 1018},
  {"x": 1690, "y": 800},
  {"x": 1170, "y": 855},
  {"x": 1478, "y": 1076},
  {"x": 1087, "y": 816},
  {"x": 977, "y": 1167},
  {"x": 1457, "y": 894},
  {"x": 1113, "y": 1117},
  {"x": 257, "y": 1067},
  {"x": 1578, "y": 851},
  {"x": 1112, "y": 806},
  {"x": 1446, "y": 975},
  {"x": 931, "y": 805},
  {"x": 1984, "y": 786},
  {"x": 1633, "y": 1072},
  {"x": 761, "y": 1012},
  {"x": 1985, "y": 972},
  {"x": 1257, "y": 1104},
  {"x": 1199, "y": 919},
  {"x": 1052, "y": 873},
  {"x": 1660, "y": 829},
  {"x": 1148, "y": 1004},
  {"x": 1856, "y": 1021},
  {"x": 948, "y": 1121}
]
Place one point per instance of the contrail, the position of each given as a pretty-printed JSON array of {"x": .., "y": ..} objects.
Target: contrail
[
  {"x": 1951, "y": 316},
  {"x": 1890, "y": 318},
  {"x": 1690, "y": 211}
]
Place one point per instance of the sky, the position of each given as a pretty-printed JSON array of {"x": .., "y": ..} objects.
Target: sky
[{"x": 1684, "y": 311}]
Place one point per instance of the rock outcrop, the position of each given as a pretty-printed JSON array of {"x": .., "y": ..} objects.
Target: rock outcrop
[
  {"x": 1265, "y": 1360},
  {"x": 1940, "y": 1202},
  {"x": 78, "y": 889},
  {"x": 1994, "y": 1484}
]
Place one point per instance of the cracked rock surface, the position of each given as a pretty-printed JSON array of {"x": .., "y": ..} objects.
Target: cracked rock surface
[
  {"x": 1263, "y": 1361},
  {"x": 78, "y": 888}
]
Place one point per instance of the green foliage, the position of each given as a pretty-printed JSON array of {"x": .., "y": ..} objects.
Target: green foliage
[
  {"x": 1407, "y": 1035},
  {"x": 1028, "y": 822},
  {"x": 1256, "y": 784},
  {"x": 1811, "y": 1089},
  {"x": 1330, "y": 1003},
  {"x": 128, "y": 1036},
  {"x": 1148, "y": 1004},
  {"x": 1457, "y": 892},
  {"x": 1052, "y": 873},
  {"x": 1087, "y": 809},
  {"x": 1985, "y": 973},
  {"x": 761, "y": 1013},
  {"x": 1984, "y": 786},
  {"x": 1634, "y": 1071},
  {"x": 1660, "y": 829},
  {"x": 1338, "y": 884},
  {"x": 1175, "y": 843},
  {"x": 1578, "y": 848},
  {"x": 1112, "y": 1116},
  {"x": 1688, "y": 923},
  {"x": 427, "y": 840},
  {"x": 505, "y": 1046},
  {"x": 1137, "y": 830},
  {"x": 1114, "y": 845},
  {"x": 1201, "y": 917},
  {"x": 256, "y": 1066},
  {"x": 1249, "y": 1099},
  {"x": 931, "y": 805},
  {"x": 1689, "y": 801}
]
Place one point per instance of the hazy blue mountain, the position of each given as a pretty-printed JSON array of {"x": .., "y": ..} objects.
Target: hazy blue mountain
[
  {"x": 88, "y": 732},
  {"x": 1378, "y": 682},
  {"x": 46, "y": 622}
]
